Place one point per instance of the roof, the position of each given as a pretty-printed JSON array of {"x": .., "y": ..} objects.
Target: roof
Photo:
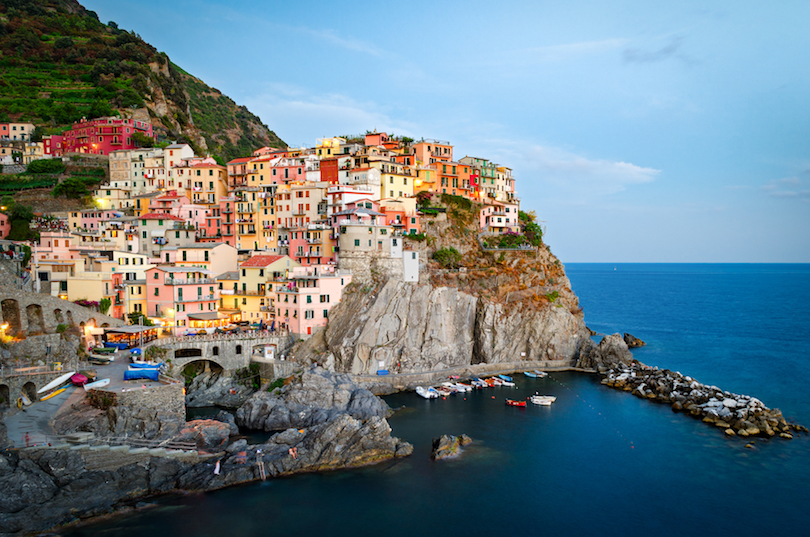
[
  {"x": 168, "y": 268},
  {"x": 261, "y": 260},
  {"x": 160, "y": 216},
  {"x": 241, "y": 160},
  {"x": 359, "y": 211},
  {"x": 232, "y": 275}
]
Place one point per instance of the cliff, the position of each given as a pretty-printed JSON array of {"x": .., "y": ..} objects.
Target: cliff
[{"x": 497, "y": 308}]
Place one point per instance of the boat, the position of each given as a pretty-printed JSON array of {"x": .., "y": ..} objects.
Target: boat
[
  {"x": 492, "y": 382},
  {"x": 540, "y": 374},
  {"x": 99, "y": 360},
  {"x": 103, "y": 350},
  {"x": 97, "y": 384},
  {"x": 530, "y": 374},
  {"x": 78, "y": 379},
  {"x": 58, "y": 381},
  {"x": 504, "y": 377},
  {"x": 52, "y": 394},
  {"x": 512, "y": 402},
  {"x": 507, "y": 383},
  {"x": 443, "y": 391},
  {"x": 479, "y": 383},
  {"x": 544, "y": 400},
  {"x": 428, "y": 392}
]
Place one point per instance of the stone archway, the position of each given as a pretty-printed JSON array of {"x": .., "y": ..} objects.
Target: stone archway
[
  {"x": 36, "y": 322},
  {"x": 69, "y": 318},
  {"x": 11, "y": 315},
  {"x": 30, "y": 391},
  {"x": 196, "y": 367},
  {"x": 5, "y": 396},
  {"x": 57, "y": 314}
]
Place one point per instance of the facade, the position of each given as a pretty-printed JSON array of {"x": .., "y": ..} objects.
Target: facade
[{"x": 103, "y": 135}]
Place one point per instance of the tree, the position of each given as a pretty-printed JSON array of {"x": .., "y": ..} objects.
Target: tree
[
  {"x": 142, "y": 140},
  {"x": 448, "y": 258},
  {"x": 71, "y": 188},
  {"x": 137, "y": 317},
  {"x": 526, "y": 217},
  {"x": 51, "y": 165}
]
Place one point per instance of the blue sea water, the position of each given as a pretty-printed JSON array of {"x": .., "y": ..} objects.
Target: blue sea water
[{"x": 598, "y": 461}]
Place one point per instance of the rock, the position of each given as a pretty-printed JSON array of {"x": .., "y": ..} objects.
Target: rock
[
  {"x": 237, "y": 446},
  {"x": 730, "y": 432},
  {"x": 612, "y": 350},
  {"x": 632, "y": 341},
  {"x": 214, "y": 389},
  {"x": 209, "y": 435},
  {"x": 447, "y": 446},
  {"x": 314, "y": 398},
  {"x": 227, "y": 417}
]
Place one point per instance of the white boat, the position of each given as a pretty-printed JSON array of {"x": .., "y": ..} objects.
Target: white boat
[
  {"x": 97, "y": 384},
  {"x": 544, "y": 400},
  {"x": 444, "y": 391},
  {"x": 56, "y": 382},
  {"x": 461, "y": 387},
  {"x": 427, "y": 392},
  {"x": 507, "y": 383}
]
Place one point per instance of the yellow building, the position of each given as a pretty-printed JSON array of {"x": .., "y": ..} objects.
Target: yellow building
[{"x": 254, "y": 294}]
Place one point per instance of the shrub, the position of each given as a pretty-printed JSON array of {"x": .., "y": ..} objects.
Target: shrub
[
  {"x": 53, "y": 165},
  {"x": 104, "y": 305},
  {"x": 552, "y": 296},
  {"x": 61, "y": 328},
  {"x": 71, "y": 188},
  {"x": 448, "y": 258},
  {"x": 419, "y": 237}
]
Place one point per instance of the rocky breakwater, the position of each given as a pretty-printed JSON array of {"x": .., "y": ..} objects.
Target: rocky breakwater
[
  {"x": 216, "y": 389},
  {"x": 741, "y": 415}
]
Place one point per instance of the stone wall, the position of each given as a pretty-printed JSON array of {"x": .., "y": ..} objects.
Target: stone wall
[
  {"x": 35, "y": 313},
  {"x": 169, "y": 398},
  {"x": 222, "y": 350}
]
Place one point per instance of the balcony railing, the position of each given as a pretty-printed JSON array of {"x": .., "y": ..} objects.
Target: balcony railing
[
  {"x": 193, "y": 298},
  {"x": 184, "y": 281}
]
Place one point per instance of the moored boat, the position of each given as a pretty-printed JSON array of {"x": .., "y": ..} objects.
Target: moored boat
[
  {"x": 444, "y": 391},
  {"x": 540, "y": 374},
  {"x": 544, "y": 400},
  {"x": 52, "y": 394},
  {"x": 530, "y": 374},
  {"x": 504, "y": 377},
  {"x": 428, "y": 392},
  {"x": 512, "y": 402}
]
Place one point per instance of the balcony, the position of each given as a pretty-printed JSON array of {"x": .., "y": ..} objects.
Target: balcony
[
  {"x": 193, "y": 298},
  {"x": 185, "y": 281},
  {"x": 184, "y": 225},
  {"x": 245, "y": 292}
]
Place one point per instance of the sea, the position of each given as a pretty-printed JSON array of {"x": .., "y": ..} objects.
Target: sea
[{"x": 598, "y": 461}]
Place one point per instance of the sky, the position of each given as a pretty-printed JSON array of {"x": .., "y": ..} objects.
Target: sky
[{"x": 671, "y": 132}]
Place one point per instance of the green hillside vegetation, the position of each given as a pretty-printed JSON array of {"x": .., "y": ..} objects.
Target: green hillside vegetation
[{"x": 60, "y": 63}]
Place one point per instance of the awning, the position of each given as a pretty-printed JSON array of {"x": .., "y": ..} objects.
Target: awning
[
  {"x": 134, "y": 329},
  {"x": 159, "y": 232},
  {"x": 208, "y": 316}
]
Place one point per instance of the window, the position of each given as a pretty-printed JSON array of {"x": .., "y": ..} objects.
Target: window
[
  {"x": 156, "y": 274},
  {"x": 325, "y": 314},
  {"x": 309, "y": 299},
  {"x": 239, "y": 349},
  {"x": 357, "y": 242},
  {"x": 157, "y": 291}
]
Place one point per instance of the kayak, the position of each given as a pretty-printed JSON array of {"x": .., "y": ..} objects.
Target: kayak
[{"x": 54, "y": 394}]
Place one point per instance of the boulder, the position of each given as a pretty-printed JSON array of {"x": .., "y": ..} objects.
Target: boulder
[
  {"x": 632, "y": 341},
  {"x": 209, "y": 435},
  {"x": 227, "y": 417},
  {"x": 611, "y": 351},
  {"x": 447, "y": 446}
]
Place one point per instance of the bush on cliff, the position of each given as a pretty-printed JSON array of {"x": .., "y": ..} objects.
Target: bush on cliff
[{"x": 448, "y": 258}]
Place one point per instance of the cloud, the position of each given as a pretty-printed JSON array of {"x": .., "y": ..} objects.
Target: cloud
[
  {"x": 349, "y": 43},
  {"x": 598, "y": 176},
  {"x": 787, "y": 188},
  {"x": 669, "y": 50},
  {"x": 306, "y": 116}
]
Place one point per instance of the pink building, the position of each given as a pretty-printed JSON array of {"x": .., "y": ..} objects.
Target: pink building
[
  {"x": 56, "y": 245},
  {"x": 218, "y": 225},
  {"x": 52, "y": 145},
  {"x": 303, "y": 302},
  {"x": 499, "y": 217},
  {"x": 5, "y": 225},
  {"x": 185, "y": 298},
  {"x": 102, "y": 135}
]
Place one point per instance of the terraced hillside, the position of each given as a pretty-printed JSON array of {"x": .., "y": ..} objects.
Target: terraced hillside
[{"x": 59, "y": 63}]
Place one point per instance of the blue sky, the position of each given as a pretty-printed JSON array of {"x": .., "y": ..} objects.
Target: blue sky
[{"x": 637, "y": 131}]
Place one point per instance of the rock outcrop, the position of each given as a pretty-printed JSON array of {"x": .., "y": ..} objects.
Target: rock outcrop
[
  {"x": 209, "y": 436},
  {"x": 611, "y": 350},
  {"x": 632, "y": 341},
  {"x": 316, "y": 397},
  {"x": 214, "y": 389},
  {"x": 406, "y": 328},
  {"x": 145, "y": 423},
  {"x": 447, "y": 446}
]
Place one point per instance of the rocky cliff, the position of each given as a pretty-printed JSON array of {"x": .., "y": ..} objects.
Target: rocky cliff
[{"x": 500, "y": 312}]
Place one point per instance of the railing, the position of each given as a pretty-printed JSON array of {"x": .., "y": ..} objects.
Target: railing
[
  {"x": 193, "y": 298},
  {"x": 181, "y": 281},
  {"x": 250, "y": 334},
  {"x": 245, "y": 292}
]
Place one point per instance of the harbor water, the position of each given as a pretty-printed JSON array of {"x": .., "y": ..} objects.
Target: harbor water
[{"x": 597, "y": 461}]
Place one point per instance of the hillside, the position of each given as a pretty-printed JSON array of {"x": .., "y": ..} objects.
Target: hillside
[{"x": 60, "y": 63}]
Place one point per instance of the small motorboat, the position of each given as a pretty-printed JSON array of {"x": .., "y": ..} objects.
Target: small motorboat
[
  {"x": 512, "y": 402},
  {"x": 428, "y": 392},
  {"x": 97, "y": 384},
  {"x": 444, "y": 391},
  {"x": 540, "y": 374},
  {"x": 78, "y": 379},
  {"x": 460, "y": 386},
  {"x": 504, "y": 377},
  {"x": 103, "y": 350},
  {"x": 479, "y": 383},
  {"x": 544, "y": 400},
  {"x": 507, "y": 383},
  {"x": 97, "y": 359},
  {"x": 494, "y": 381}
]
